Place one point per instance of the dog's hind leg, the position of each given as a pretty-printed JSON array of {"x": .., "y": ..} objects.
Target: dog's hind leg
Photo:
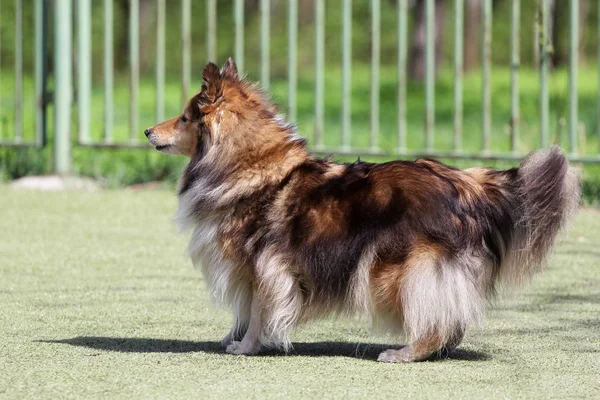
[
  {"x": 241, "y": 303},
  {"x": 453, "y": 342},
  {"x": 439, "y": 300},
  {"x": 250, "y": 344},
  {"x": 423, "y": 348},
  {"x": 419, "y": 350}
]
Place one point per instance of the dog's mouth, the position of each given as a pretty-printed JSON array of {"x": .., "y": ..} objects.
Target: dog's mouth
[{"x": 162, "y": 147}]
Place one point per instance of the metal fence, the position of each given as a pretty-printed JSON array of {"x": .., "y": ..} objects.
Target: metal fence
[{"x": 62, "y": 96}]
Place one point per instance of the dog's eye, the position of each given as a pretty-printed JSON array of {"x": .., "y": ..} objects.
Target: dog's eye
[{"x": 183, "y": 118}]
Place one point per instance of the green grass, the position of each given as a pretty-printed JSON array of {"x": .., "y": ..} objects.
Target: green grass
[{"x": 100, "y": 301}]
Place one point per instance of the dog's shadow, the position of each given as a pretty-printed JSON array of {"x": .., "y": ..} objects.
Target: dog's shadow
[{"x": 307, "y": 349}]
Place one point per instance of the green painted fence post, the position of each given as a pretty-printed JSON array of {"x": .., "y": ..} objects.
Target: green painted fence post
[
  {"x": 134, "y": 64},
  {"x": 486, "y": 62},
  {"x": 62, "y": 86},
  {"x": 211, "y": 26},
  {"x": 573, "y": 54},
  {"x": 544, "y": 40},
  {"x": 160, "y": 61},
  {"x": 458, "y": 73},
  {"x": 84, "y": 70},
  {"x": 292, "y": 58},
  {"x": 239, "y": 34},
  {"x": 429, "y": 73},
  {"x": 40, "y": 72},
  {"x": 402, "y": 10},
  {"x": 186, "y": 11},
  {"x": 319, "y": 71},
  {"x": 1, "y": 124},
  {"x": 514, "y": 74},
  {"x": 346, "y": 74},
  {"x": 375, "y": 56},
  {"x": 18, "y": 71},
  {"x": 108, "y": 71},
  {"x": 265, "y": 11}
]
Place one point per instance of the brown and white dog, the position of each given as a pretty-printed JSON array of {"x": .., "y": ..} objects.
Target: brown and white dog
[{"x": 283, "y": 237}]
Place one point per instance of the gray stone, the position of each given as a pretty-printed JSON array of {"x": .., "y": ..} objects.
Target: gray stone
[{"x": 55, "y": 183}]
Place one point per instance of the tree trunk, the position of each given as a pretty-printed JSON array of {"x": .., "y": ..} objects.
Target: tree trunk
[
  {"x": 552, "y": 11},
  {"x": 417, "y": 50},
  {"x": 472, "y": 32},
  {"x": 584, "y": 7},
  {"x": 122, "y": 49},
  {"x": 147, "y": 33},
  {"x": 557, "y": 29}
]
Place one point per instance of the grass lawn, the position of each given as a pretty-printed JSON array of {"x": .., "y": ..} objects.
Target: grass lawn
[{"x": 99, "y": 300}]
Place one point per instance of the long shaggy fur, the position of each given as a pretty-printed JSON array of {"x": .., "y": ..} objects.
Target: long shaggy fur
[{"x": 283, "y": 237}]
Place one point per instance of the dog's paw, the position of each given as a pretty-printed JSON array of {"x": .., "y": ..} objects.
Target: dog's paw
[
  {"x": 242, "y": 348},
  {"x": 394, "y": 356},
  {"x": 227, "y": 340}
]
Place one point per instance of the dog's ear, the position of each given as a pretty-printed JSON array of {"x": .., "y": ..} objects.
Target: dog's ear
[
  {"x": 229, "y": 69},
  {"x": 211, "y": 73},
  {"x": 211, "y": 84}
]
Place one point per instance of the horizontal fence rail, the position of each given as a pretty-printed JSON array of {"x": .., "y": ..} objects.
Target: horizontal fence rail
[{"x": 90, "y": 134}]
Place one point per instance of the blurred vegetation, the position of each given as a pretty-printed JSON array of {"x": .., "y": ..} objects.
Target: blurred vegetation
[
  {"x": 360, "y": 33},
  {"x": 117, "y": 167}
]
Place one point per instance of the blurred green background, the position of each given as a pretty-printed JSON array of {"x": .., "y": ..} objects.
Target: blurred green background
[
  {"x": 116, "y": 167},
  {"x": 361, "y": 29}
]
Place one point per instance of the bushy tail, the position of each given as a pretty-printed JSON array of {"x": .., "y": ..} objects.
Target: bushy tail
[{"x": 549, "y": 196}]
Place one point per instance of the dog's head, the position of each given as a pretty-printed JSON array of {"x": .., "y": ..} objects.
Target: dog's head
[{"x": 228, "y": 112}]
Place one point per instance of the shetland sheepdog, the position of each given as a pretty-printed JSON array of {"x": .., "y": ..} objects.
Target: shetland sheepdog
[{"x": 282, "y": 236}]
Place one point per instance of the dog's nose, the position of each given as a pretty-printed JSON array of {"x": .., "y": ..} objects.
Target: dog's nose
[{"x": 147, "y": 132}]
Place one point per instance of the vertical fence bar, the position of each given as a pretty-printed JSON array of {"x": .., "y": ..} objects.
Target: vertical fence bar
[
  {"x": 186, "y": 18},
  {"x": 160, "y": 61},
  {"x": 108, "y": 70},
  {"x": 319, "y": 71},
  {"x": 84, "y": 70},
  {"x": 211, "y": 15},
  {"x": 292, "y": 58},
  {"x": 598, "y": 89},
  {"x": 134, "y": 61},
  {"x": 459, "y": 8},
  {"x": 375, "y": 49},
  {"x": 40, "y": 72},
  {"x": 18, "y": 70},
  {"x": 515, "y": 62},
  {"x": 1, "y": 124},
  {"x": 62, "y": 85},
  {"x": 402, "y": 9},
  {"x": 346, "y": 73},
  {"x": 429, "y": 73},
  {"x": 573, "y": 54},
  {"x": 239, "y": 34},
  {"x": 265, "y": 7},
  {"x": 544, "y": 41},
  {"x": 486, "y": 62}
]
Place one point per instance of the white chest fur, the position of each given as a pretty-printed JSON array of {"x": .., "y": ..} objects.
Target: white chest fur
[{"x": 204, "y": 250}]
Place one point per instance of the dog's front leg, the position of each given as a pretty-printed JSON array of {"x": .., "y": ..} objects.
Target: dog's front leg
[
  {"x": 241, "y": 315},
  {"x": 237, "y": 332},
  {"x": 250, "y": 344}
]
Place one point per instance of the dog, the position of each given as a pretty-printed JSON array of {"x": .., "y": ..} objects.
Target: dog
[{"x": 283, "y": 237}]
